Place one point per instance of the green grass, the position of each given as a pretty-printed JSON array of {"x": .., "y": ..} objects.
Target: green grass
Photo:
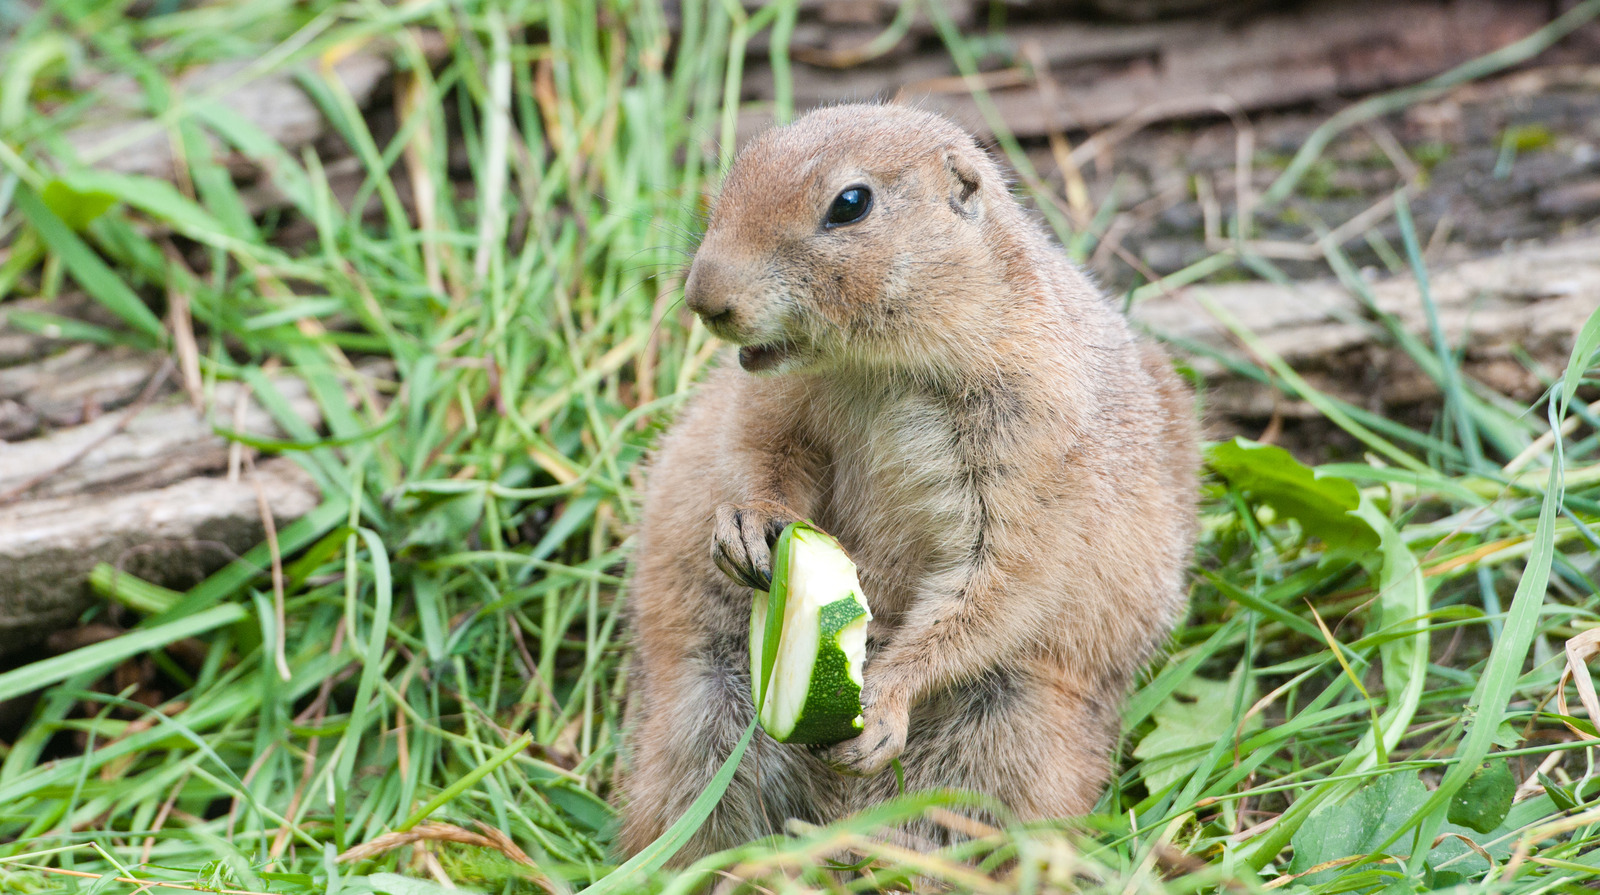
[{"x": 1364, "y": 637}]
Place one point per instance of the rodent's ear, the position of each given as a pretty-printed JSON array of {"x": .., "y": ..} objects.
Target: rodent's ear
[{"x": 964, "y": 182}]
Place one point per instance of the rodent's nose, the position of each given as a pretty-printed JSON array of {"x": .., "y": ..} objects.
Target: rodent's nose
[
  {"x": 711, "y": 310},
  {"x": 702, "y": 294}
]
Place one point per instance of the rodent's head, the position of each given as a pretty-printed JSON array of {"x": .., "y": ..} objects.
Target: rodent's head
[{"x": 857, "y": 232}]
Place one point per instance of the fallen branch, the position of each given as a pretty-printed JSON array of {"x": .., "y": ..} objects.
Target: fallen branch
[
  {"x": 1115, "y": 72},
  {"x": 1528, "y": 299}
]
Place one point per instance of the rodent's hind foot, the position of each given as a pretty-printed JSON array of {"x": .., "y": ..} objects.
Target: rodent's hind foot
[{"x": 742, "y": 539}]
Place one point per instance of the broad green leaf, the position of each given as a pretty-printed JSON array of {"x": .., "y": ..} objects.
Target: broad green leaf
[
  {"x": 1321, "y": 503},
  {"x": 448, "y": 521},
  {"x": 1507, "y": 736},
  {"x": 1357, "y": 825},
  {"x": 1562, "y": 796},
  {"x": 1402, "y": 599},
  {"x": 156, "y": 198},
  {"x": 77, "y": 208},
  {"x": 1482, "y": 802},
  {"x": 584, "y": 806},
  {"x": 1195, "y": 718}
]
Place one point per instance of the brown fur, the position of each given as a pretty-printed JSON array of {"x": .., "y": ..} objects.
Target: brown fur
[{"x": 1011, "y": 469}]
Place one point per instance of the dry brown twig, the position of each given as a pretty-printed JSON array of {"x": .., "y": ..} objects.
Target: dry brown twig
[
  {"x": 142, "y": 884},
  {"x": 314, "y": 714},
  {"x": 435, "y": 831},
  {"x": 1580, "y": 649},
  {"x": 184, "y": 343},
  {"x": 1533, "y": 786},
  {"x": 1080, "y": 208},
  {"x": 280, "y": 616}
]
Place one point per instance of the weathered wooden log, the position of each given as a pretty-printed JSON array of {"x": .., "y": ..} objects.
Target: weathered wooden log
[
  {"x": 1529, "y": 299},
  {"x": 135, "y": 449},
  {"x": 99, "y": 466},
  {"x": 176, "y": 532},
  {"x": 107, "y": 462},
  {"x": 1060, "y": 73}
]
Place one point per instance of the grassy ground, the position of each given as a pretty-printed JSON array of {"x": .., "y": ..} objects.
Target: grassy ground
[{"x": 429, "y": 692}]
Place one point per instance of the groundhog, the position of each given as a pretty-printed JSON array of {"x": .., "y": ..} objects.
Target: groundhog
[{"x": 922, "y": 373}]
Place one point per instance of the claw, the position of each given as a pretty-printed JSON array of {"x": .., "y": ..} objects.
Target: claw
[
  {"x": 742, "y": 542},
  {"x": 727, "y": 565},
  {"x": 756, "y": 548}
]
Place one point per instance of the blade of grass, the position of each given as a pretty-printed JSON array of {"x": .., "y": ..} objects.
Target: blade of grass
[
  {"x": 1455, "y": 397},
  {"x": 1488, "y": 705},
  {"x": 1511, "y": 54},
  {"x": 1402, "y": 595},
  {"x": 466, "y": 782},
  {"x": 1304, "y": 389},
  {"x": 102, "y": 655},
  {"x": 92, "y": 274},
  {"x": 631, "y": 875}
]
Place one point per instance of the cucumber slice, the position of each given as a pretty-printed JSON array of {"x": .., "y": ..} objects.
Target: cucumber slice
[{"x": 808, "y": 641}]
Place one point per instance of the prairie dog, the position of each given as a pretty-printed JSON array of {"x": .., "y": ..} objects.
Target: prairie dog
[{"x": 924, "y": 374}]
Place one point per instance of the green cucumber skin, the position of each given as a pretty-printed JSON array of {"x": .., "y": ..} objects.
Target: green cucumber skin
[
  {"x": 821, "y": 722},
  {"x": 761, "y": 667}
]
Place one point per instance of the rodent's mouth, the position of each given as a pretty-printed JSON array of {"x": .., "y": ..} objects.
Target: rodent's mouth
[{"x": 759, "y": 358}]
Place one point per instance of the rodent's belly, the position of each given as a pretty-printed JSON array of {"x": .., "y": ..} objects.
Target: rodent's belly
[
  {"x": 889, "y": 578},
  {"x": 902, "y": 524}
]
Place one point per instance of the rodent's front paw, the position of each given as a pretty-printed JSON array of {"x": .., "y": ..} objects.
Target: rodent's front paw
[
  {"x": 742, "y": 539},
  {"x": 882, "y": 739}
]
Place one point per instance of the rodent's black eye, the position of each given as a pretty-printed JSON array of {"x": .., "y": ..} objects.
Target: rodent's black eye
[{"x": 849, "y": 206}]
